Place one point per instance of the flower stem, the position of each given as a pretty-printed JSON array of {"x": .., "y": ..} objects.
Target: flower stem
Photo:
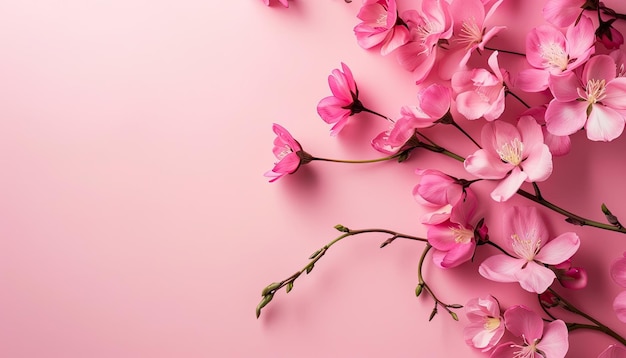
[
  {"x": 457, "y": 126},
  {"x": 505, "y": 51},
  {"x": 518, "y": 98},
  {"x": 391, "y": 157},
  {"x": 268, "y": 292},
  {"x": 422, "y": 285},
  {"x": 377, "y": 114}
]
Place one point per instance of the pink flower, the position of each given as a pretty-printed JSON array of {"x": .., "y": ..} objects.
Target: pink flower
[
  {"x": 469, "y": 32},
  {"x": 595, "y": 100},
  {"x": 552, "y": 53},
  {"x": 428, "y": 26},
  {"x": 343, "y": 103},
  {"x": 531, "y": 251},
  {"x": 558, "y": 145},
  {"x": 570, "y": 277},
  {"x": 511, "y": 155},
  {"x": 486, "y": 326},
  {"x": 547, "y": 340},
  {"x": 613, "y": 351},
  {"x": 618, "y": 273},
  {"x": 288, "y": 152},
  {"x": 283, "y": 2},
  {"x": 563, "y": 13},
  {"x": 608, "y": 35},
  {"x": 380, "y": 26},
  {"x": 480, "y": 93},
  {"x": 453, "y": 240}
]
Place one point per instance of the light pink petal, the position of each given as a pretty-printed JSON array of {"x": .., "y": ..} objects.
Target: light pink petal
[
  {"x": 457, "y": 255},
  {"x": 441, "y": 237},
  {"x": 539, "y": 37},
  {"x": 616, "y": 93},
  {"x": 559, "y": 249},
  {"x": 411, "y": 55},
  {"x": 367, "y": 37},
  {"x": 532, "y": 80},
  {"x": 538, "y": 165},
  {"x": 495, "y": 135},
  {"x": 438, "y": 216},
  {"x": 284, "y": 3},
  {"x": 479, "y": 307},
  {"x": 509, "y": 185},
  {"x": 600, "y": 67},
  {"x": 613, "y": 351},
  {"x": 478, "y": 337},
  {"x": 493, "y": 9},
  {"x": 531, "y": 133},
  {"x": 618, "y": 271},
  {"x": 486, "y": 166},
  {"x": 564, "y": 87},
  {"x": 619, "y": 306},
  {"x": 370, "y": 12},
  {"x": 505, "y": 350},
  {"x": 566, "y": 118},
  {"x": 535, "y": 278},
  {"x": 500, "y": 268},
  {"x": 471, "y": 105},
  {"x": 561, "y": 13},
  {"x": 397, "y": 36},
  {"x": 522, "y": 322},
  {"x": 580, "y": 37},
  {"x": 559, "y": 145},
  {"x": 497, "y": 106},
  {"x": 521, "y": 220},
  {"x": 554, "y": 342},
  {"x": 435, "y": 100},
  {"x": 604, "y": 123}
]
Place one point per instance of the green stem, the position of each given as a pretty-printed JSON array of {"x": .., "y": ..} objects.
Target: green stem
[
  {"x": 391, "y": 157},
  {"x": 505, "y": 51},
  {"x": 422, "y": 285}
]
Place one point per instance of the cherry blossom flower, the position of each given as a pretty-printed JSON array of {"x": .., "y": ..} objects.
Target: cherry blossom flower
[
  {"x": 288, "y": 152},
  {"x": 469, "y": 32},
  {"x": 453, "y": 240},
  {"x": 552, "y": 53},
  {"x": 343, "y": 103},
  {"x": 530, "y": 252},
  {"x": 283, "y": 2},
  {"x": 380, "y": 26},
  {"x": 540, "y": 339},
  {"x": 563, "y": 13},
  {"x": 439, "y": 191},
  {"x": 429, "y": 25},
  {"x": 479, "y": 92},
  {"x": 511, "y": 155},
  {"x": 558, "y": 145},
  {"x": 613, "y": 351},
  {"x": 595, "y": 100},
  {"x": 618, "y": 273},
  {"x": 609, "y": 36},
  {"x": 570, "y": 277},
  {"x": 486, "y": 326}
]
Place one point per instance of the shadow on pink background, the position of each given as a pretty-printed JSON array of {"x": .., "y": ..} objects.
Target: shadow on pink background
[{"x": 135, "y": 220}]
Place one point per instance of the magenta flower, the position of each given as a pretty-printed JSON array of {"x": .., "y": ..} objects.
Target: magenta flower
[
  {"x": 511, "y": 155},
  {"x": 288, "y": 152},
  {"x": 570, "y": 277},
  {"x": 481, "y": 93},
  {"x": 618, "y": 273},
  {"x": 428, "y": 26},
  {"x": 283, "y": 2},
  {"x": 469, "y": 34},
  {"x": 530, "y": 252},
  {"x": 343, "y": 103},
  {"x": 486, "y": 326},
  {"x": 595, "y": 100},
  {"x": 552, "y": 53},
  {"x": 546, "y": 340},
  {"x": 380, "y": 25},
  {"x": 613, "y": 351},
  {"x": 439, "y": 191}
]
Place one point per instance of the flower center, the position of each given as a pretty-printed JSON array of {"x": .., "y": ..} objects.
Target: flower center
[
  {"x": 462, "y": 235},
  {"x": 525, "y": 248},
  {"x": 595, "y": 91},
  {"x": 471, "y": 33},
  {"x": 284, "y": 152},
  {"x": 382, "y": 19},
  {"x": 554, "y": 55},
  {"x": 491, "y": 323},
  {"x": 512, "y": 152}
]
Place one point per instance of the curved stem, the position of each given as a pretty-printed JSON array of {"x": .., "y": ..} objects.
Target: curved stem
[
  {"x": 505, "y": 51},
  {"x": 377, "y": 114},
  {"x": 518, "y": 98},
  {"x": 574, "y": 326},
  {"x": 457, "y": 126},
  {"x": 422, "y": 285},
  {"x": 391, "y": 157},
  {"x": 491, "y": 243}
]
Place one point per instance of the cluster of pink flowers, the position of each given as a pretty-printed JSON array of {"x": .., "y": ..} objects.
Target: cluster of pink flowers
[{"x": 573, "y": 62}]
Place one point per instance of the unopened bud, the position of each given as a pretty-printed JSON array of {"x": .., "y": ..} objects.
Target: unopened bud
[
  {"x": 418, "y": 290},
  {"x": 270, "y": 288},
  {"x": 342, "y": 228}
]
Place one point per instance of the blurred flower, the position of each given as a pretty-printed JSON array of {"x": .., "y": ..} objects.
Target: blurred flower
[
  {"x": 511, "y": 155},
  {"x": 486, "y": 326},
  {"x": 343, "y": 103},
  {"x": 570, "y": 277},
  {"x": 613, "y": 351},
  {"x": 618, "y": 273},
  {"x": 548, "y": 340},
  {"x": 563, "y": 13},
  {"x": 531, "y": 251},
  {"x": 283, "y": 2},
  {"x": 380, "y": 25},
  {"x": 288, "y": 152},
  {"x": 608, "y": 35}
]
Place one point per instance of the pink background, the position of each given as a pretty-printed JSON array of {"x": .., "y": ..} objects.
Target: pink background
[{"x": 135, "y": 220}]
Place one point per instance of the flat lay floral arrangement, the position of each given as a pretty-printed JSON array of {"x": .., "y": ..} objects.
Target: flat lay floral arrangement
[{"x": 572, "y": 82}]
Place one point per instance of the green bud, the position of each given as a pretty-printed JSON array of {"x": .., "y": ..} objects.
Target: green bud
[
  {"x": 418, "y": 290},
  {"x": 314, "y": 255},
  {"x": 309, "y": 269},
  {"x": 454, "y": 316},
  {"x": 403, "y": 156},
  {"x": 432, "y": 314},
  {"x": 289, "y": 286},
  {"x": 266, "y": 299},
  {"x": 612, "y": 219},
  {"x": 270, "y": 288},
  {"x": 455, "y": 306},
  {"x": 342, "y": 228}
]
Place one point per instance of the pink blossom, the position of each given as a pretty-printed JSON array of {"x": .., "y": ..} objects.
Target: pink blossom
[
  {"x": 288, "y": 152},
  {"x": 540, "y": 339},
  {"x": 570, "y": 277},
  {"x": 610, "y": 37},
  {"x": 558, "y": 145},
  {"x": 433, "y": 104},
  {"x": 511, "y": 155},
  {"x": 479, "y": 92},
  {"x": 563, "y": 13},
  {"x": 439, "y": 191},
  {"x": 595, "y": 100},
  {"x": 552, "y": 53},
  {"x": 613, "y": 351},
  {"x": 343, "y": 103},
  {"x": 380, "y": 26},
  {"x": 470, "y": 33},
  {"x": 618, "y": 273},
  {"x": 453, "y": 240},
  {"x": 430, "y": 24},
  {"x": 283, "y": 2},
  {"x": 486, "y": 326},
  {"x": 530, "y": 252}
]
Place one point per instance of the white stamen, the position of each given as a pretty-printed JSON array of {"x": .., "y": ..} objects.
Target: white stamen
[
  {"x": 594, "y": 92},
  {"x": 471, "y": 33},
  {"x": 554, "y": 55},
  {"x": 462, "y": 235},
  {"x": 283, "y": 153},
  {"x": 526, "y": 248},
  {"x": 512, "y": 152}
]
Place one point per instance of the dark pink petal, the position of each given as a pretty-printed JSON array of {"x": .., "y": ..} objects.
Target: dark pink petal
[
  {"x": 522, "y": 322},
  {"x": 613, "y": 351},
  {"x": 472, "y": 105},
  {"x": 331, "y": 110},
  {"x": 509, "y": 185},
  {"x": 459, "y": 254},
  {"x": 604, "y": 123},
  {"x": 397, "y": 36},
  {"x": 505, "y": 350},
  {"x": 349, "y": 77},
  {"x": 554, "y": 342},
  {"x": 559, "y": 145},
  {"x": 284, "y": 136},
  {"x": 339, "y": 86},
  {"x": 566, "y": 118},
  {"x": 559, "y": 249},
  {"x": 500, "y": 268},
  {"x": 435, "y": 100},
  {"x": 562, "y": 13},
  {"x": 532, "y": 80},
  {"x": 618, "y": 271},
  {"x": 619, "y": 306},
  {"x": 288, "y": 164}
]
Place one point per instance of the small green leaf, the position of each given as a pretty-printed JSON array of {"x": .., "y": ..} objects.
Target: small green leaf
[
  {"x": 289, "y": 286},
  {"x": 266, "y": 299}
]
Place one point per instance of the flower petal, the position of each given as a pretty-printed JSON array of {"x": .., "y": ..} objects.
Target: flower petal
[
  {"x": 522, "y": 322},
  {"x": 565, "y": 118},
  {"x": 618, "y": 271},
  {"x": 619, "y": 306},
  {"x": 500, "y": 268},
  {"x": 559, "y": 249},
  {"x": 535, "y": 278},
  {"x": 554, "y": 342},
  {"x": 604, "y": 123},
  {"x": 509, "y": 185}
]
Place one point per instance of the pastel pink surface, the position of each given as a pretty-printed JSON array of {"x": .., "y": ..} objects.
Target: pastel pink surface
[{"x": 135, "y": 220}]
